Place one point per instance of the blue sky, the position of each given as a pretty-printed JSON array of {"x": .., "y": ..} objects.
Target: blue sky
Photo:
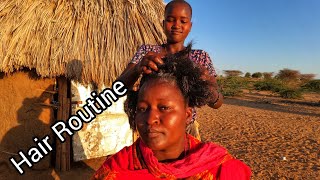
[{"x": 258, "y": 35}]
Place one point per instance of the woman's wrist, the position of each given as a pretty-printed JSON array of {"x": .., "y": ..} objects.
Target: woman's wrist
[
  {"x": 137, "y": 70},
  {"x": 216, "y": 99}
]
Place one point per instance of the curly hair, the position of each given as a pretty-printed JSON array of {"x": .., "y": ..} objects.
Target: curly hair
[{"x": 187, "y": 76}]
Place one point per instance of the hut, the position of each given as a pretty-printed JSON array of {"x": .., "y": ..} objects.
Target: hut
[{"x": 53, "y": 52}]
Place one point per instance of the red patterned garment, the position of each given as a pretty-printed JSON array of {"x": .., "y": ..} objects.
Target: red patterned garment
[{"x": 202, "y": 161}]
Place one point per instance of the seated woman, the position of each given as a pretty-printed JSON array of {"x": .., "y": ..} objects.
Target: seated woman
[{"x": 160, "y": 111}]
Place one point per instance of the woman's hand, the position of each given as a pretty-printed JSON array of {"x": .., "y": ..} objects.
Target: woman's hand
[
  {"x": 217, "y": 99},
  {"x": 149, "y": 63}
]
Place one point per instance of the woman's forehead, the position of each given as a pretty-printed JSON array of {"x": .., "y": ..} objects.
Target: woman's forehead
[
  {"x": 160, "y": 82},
  {"x": 155, "y": 87}
]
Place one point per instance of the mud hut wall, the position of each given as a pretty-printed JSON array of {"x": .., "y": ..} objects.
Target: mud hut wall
[{"x": 23, "y": 113}]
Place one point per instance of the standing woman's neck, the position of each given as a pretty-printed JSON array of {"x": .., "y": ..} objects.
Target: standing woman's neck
[{"x": 174, "y": 48}]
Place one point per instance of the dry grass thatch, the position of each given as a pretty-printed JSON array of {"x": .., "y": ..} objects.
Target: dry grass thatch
[{"x": 71, "y": 37}]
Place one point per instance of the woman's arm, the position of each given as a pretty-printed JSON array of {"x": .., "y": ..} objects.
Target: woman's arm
[
  {"x": 130, "y": 75},
  {"x": 210, "y": 74},
  {"x": 218, "y": 100}
]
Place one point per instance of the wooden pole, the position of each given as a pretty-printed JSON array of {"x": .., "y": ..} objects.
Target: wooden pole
[{"x": 63, "y": 150}]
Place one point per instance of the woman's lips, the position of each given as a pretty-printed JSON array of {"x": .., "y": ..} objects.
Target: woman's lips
[
  {"x": 152, "y": 133},
  {"x": 175, "y": 32}
]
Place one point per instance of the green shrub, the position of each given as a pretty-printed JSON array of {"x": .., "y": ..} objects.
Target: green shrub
[
  {"x": 257, "y": 75},
  {"x": 232, "y": 86},
  {"x": 269, "y": 85},
  {"x": 290, "y": 94},
  {"x": 313, "y": 86},
  {"x": 247, "y": 75}
]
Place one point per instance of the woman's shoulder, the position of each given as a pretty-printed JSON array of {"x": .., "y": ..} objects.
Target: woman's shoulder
[
  {"x": 119, "y": 165},
  {"x": 198, "y": 51},
  {"x": 209, "y": 155},
  {"x": 234, "y": 169},
  {"x": 150, "y": 47},
  {"x": 199, "y": 55},
  {"x": 228, "y": 166},
  {"x": 122, "y": 158},
  {"x": 143, "y": 50}
]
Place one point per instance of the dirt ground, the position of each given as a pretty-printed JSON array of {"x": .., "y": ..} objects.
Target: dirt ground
[{"x": 277, "y": 138}]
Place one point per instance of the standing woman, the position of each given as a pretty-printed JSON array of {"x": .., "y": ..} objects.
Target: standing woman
[{"x": 177, "y": 25}]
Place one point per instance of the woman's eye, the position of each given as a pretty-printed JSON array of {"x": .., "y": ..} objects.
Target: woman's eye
[
  {"x": 164, "y": 108},
  {"x": 169, "y": 20},
  {"x": 141, "y": 109}
]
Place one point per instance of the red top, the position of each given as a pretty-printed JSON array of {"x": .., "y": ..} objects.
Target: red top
[{"x": 203, "y": 161}]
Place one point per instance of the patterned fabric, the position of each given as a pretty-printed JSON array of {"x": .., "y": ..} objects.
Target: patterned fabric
[
  {"x": 198, "y": 56},
  {"x": 202, "y": 161}
]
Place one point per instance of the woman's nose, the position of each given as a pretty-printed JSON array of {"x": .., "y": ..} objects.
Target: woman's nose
[
  {"x": 153, "y": 117},
  {"x": 176, "y": 24}
]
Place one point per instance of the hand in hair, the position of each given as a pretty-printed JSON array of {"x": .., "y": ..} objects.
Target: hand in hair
[
  {"x": 149, "y": 63},
  {"x": 217, "y": 98}
]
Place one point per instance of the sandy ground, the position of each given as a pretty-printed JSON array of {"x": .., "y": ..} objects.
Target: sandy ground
[{"x": 277, "y": 138}]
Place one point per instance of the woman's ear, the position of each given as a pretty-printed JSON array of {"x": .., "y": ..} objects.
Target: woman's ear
[{"x": 189, "y": 114}]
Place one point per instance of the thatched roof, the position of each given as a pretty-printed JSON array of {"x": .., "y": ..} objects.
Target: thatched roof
[{"x": 58, "y": 37}]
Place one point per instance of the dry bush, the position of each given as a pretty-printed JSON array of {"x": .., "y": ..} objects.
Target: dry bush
[
  {"x": 288, "y": 75},
  {"x": 307, "y": 77},
  {"x": 267, "y": 75},
  {"x": 232, "y": 73}
]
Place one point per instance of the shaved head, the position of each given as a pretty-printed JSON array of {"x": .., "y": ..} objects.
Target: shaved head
[{"x": 174, "y": 2}]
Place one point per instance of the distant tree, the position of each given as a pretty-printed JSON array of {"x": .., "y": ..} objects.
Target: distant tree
[
  {"x": 307, "y": 77},
  {"x": 257, "y": 75},
  {"x": 313, "y": 86},
  {"x": 267, "y": 75},
  {"x": 232, "y": 73},
  {"x": 247, "y": 75},
  {"x": 288, "y": 74}
]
